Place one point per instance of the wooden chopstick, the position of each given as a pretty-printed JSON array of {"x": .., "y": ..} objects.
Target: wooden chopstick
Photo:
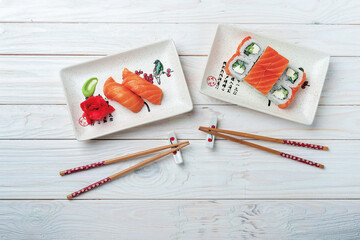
[
  {"x": 125, "y": 171},
  {"x": 118, "y": 159},
  {"x": 269, "y": 150},
  {"x": 269, "y": 139}
]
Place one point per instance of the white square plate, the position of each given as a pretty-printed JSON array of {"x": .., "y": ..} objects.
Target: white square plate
[
  {"x": 302, "y": 109},
  {"x": 176, "y": 98}
]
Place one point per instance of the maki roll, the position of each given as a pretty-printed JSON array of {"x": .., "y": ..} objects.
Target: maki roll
[
  {"x": 280, "y": 94},
  {"x": 283, "y": 92},
  {"x": 252, "y": 49},
  {"x": 293, "y": 77},
  {"x": 239, "y": 67},
  {"x": 237, "y": 54}
]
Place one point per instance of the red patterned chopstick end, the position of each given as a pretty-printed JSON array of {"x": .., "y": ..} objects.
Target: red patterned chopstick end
[
  {"x": 307, "y": 145},
  {"x": 82, "y": 168},
  {"x": 92, "y": 186},
  {"x": 301, "y": 160}
]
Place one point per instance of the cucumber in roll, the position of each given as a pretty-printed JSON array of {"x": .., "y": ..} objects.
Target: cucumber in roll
[
  {"x": 253, "y": 48},
  {"x": 239, "y": 66},
  {"x": 292, "y": 76},
  {"x": 281, "y": 93}
]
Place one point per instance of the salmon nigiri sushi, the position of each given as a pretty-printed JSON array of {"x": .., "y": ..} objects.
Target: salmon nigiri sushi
[
  {"x": 117, "y": 92},
  {"x": 141, "y": 87}
]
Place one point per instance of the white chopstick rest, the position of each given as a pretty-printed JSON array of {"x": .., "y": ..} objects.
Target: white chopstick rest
[
  {"x": 210, "y": 139},
  {"x": 177, "y": 155}
]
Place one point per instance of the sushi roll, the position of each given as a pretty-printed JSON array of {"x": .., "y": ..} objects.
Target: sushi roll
[
  {"x": 263, "y": 68},
  {"x": 239, "y": 67},
  {"x": 252, "y": 49},
  {"x": 292, "y": 76},
  {"x": 237, "y": 54},
  {"x": 280, "y": 94}
]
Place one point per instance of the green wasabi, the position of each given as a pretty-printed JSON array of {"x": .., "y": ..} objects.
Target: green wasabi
[{"x": 89, "y": 86}]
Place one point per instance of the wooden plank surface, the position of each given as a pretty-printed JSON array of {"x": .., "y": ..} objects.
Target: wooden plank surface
[
  {"x": 54, "y": 122},
  {"x": 190, "y": 39},
  {"x": 129, "y": 11},
  {"x": 30, "y": 170},
  {"x": 230, "y": 192},
  {"x": 26, "y": 75},
  {"x": 185, "y": 219}
]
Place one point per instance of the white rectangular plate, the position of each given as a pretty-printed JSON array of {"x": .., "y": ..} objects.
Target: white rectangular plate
[
  {"x": 176, "y": 98},
  {"x": 302, "y": 109}
]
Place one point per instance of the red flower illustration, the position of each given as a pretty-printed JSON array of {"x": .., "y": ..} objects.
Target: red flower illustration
[{"x": 95, "y": 109}]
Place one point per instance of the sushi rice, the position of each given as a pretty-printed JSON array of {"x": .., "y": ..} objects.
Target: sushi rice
[
  {"x": 292, "y": 76},
  {"x": 280, "y": 93},
  {"x": 285, "y": 88},
  {"x": 240, "y": 67},
  {"x": 252, "y": 50}
]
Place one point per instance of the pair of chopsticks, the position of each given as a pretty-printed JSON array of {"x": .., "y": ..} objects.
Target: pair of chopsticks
[
  {"x": 174, "y": 147},
  {"x": 215, "y": 131}
]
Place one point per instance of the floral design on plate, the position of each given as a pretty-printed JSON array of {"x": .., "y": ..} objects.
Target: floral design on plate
[{"x": 158, "y": 71}]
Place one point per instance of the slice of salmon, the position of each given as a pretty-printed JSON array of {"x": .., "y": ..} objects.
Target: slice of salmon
[
  {"x": 119, "y": 93},
  {"x": 236, "y": 54},
  {"x": 141, "y": 87},
  {"x": 271, "y": 75},
  {"x": 267, "y": 70}
]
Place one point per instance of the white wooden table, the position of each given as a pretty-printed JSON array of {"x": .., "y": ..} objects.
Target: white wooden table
[{"x": 232, "y": 192}]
